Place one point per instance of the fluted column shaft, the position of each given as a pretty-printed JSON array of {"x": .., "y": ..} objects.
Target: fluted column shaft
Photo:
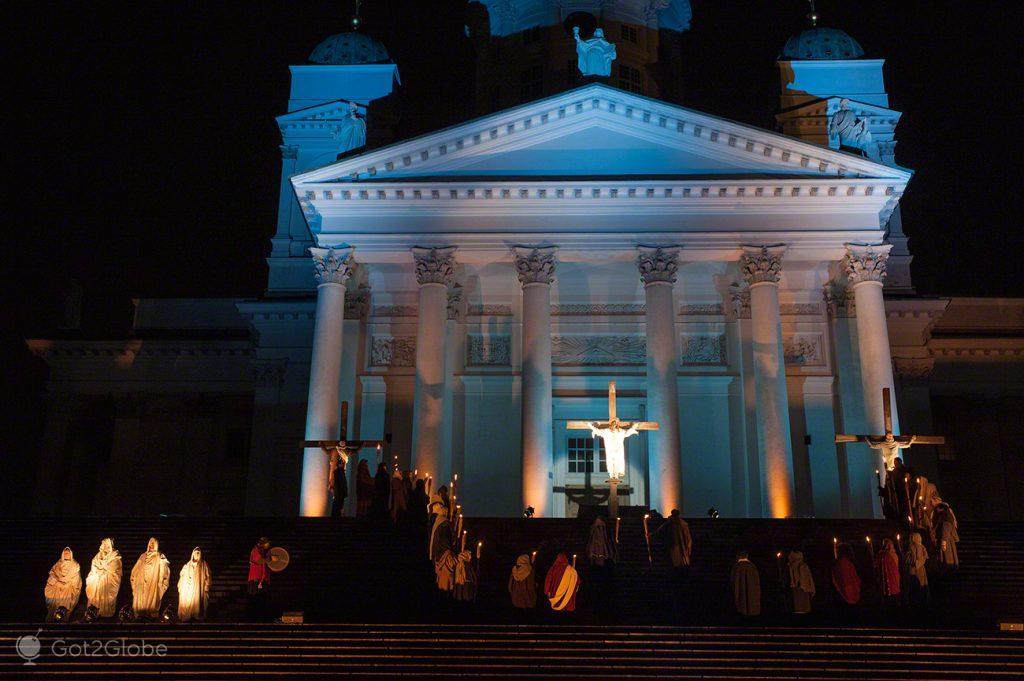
[
  {"x": 658, "y": 267},
  {"x": 434, "y": 273},
  {"x": 865, "y": 267},
  {"x": 536, "y": 268},
  {"x": 333, "y": 267},
  {"x": 761, "y": 266}
]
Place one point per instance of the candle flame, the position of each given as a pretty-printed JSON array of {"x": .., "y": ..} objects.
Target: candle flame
[
  {"x": 867, "y": 539},
  {"x": 779, "y": 554},
  {"x": 834, "y": 540},
  {"x": 456, "y": 476}
]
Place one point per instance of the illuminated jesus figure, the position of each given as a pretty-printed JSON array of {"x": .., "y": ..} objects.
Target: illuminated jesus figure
[{"x": 614, "y": 433}]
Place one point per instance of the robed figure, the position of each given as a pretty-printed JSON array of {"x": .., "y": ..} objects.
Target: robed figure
[
  {"x": 946, "y": 536},
  {"x": 399, "y": 497},
  {"x": 680, "y": 539},
  {"x": 63, "y": 584},
  {"x": 193, "y": 588},
  {"x": 364, "y": 489},
  {"x": 465, "y": 577},
  {"x": 887, "y": 571},
  {"x": 594, "y": 56},
  {"x": 561, "y": 584},
  {"x": 845, "y": 578},
  {"x": 600, "y": 547},
  {"x": 522, "y": 584},
  {"x": 104, "y": 579},
  {"x": 801, "y": 583},
  {"x": 440, "y": 549},
  {"x": 150, "y": 578},
  {"x": 915, "y": 559},
  {"x": 746, "y": 586}
]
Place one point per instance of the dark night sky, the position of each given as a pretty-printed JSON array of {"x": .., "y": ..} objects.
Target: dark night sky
[{"x": 145, "y": 154}]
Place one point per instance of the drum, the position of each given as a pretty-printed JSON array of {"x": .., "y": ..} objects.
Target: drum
[{"x": 278, "y": 559}]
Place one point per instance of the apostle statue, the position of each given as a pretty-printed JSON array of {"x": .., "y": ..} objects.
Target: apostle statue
[
  {"x": 351, "y": 130},
  {"x": 193, "y": 588},
  {"x": 150, "y": 578},
  {"x": 104, "y": 579},
  {"x": 595, "y": 55},
  {"x": 63, "y": 584},
  {"x": 845, "y": 129}
]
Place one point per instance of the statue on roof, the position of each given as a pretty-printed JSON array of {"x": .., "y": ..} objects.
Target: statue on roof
[
  {"x": 846, "y": 129},
  {"x": 351, "y": 130},
  {"x": 595, "y": 55}
]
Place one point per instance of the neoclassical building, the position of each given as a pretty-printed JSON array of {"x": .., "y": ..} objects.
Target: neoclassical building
[{"x": 467, "y": 292}]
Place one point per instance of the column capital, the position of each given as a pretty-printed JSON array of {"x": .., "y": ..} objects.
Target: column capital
[
  {"x": 657, "y": 264},
  {"x": 762, "y": 264},
  {"x": 866, "y": 262},
  {"x": 332, "y": 265},
  {"x": 535, "y": 264},
  {"x": 434, "y": 265}
]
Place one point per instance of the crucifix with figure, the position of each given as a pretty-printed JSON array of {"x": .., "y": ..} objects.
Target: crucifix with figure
[
  {"x": 887, "y": 443},
  {"x": 339, "y": 450},
  {"x": 614, "y": 433}
]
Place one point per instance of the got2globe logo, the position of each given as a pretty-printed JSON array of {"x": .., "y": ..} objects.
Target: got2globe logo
[{"x": 28, "y": 647}]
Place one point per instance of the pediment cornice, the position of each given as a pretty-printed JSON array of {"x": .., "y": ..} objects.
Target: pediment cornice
[{"x": 749, "y": 148}]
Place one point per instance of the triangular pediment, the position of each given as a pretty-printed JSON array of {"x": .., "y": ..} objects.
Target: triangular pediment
[{"x": 597, "y": 131}]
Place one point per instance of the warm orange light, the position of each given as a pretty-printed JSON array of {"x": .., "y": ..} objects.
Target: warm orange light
[
  {"x": 867, "y": 539},
  {"x": 647, "y": 515},
  {"x": 834, "y": 540},
  {"x": 779, "y": 554},
  {"x": 456, "y": 477}
]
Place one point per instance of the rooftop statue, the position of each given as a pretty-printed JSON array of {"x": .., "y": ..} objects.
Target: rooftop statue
[
  {"x": 845, "y": 129},
  {"x": 595, "y": 55},
  {"x": 351, "y": 132}
]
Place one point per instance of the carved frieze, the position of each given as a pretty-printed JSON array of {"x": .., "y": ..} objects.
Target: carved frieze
[
  {"x": 393, "y": 351},
  {"x": 803, "y": 349},
  {"x": 608, "y": 350},
  {"x": 800, "y": 309},
  {"x": 490, "y": 310},
  {"x": 395, "y": 311},
  {"x": 703, "y": 349},
  {"x": 598, "y": 309},
  {"x": 488, "y": 349},
  {"x": 701, "y": 309}
]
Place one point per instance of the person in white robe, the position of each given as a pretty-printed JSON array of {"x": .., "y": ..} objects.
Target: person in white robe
[
  {"x": 150, "y": 578},
  {"x": 63, "y": 584},
  {"x": 193, "y": 588},
  {"x": 104, "y": 579}
]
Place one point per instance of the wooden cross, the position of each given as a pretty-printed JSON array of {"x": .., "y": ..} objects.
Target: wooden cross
[
  {"x": 343, "y": 444},
  {"x": 888, "y": 443},
  {"x": 614, "y": 433},
  {"x": 613, "y": 419}
]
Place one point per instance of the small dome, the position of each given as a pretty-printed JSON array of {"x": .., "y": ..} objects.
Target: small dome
[
  {"x": 822, "y": 43},
  {"x": 349, "y": 48}
]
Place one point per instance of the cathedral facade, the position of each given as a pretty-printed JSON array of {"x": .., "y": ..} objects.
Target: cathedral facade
[{"x": 469, "y": 292}]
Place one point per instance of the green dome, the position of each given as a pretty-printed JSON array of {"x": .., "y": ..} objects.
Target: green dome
[
  {"x": 822, "y": 43},
  {"x": 349, "y": 48}
]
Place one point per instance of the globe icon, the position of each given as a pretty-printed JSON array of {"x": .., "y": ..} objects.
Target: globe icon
[{"x": 28, "y": 647}]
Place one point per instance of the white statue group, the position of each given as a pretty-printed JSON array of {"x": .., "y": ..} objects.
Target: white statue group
[{"x": 149, "y": 579}]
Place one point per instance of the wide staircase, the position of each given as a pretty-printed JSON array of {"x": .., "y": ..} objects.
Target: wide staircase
[{"x": 367, "y": 594}]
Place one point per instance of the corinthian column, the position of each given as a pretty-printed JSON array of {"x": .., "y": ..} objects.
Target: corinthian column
[
  {"x": 761, "y": 267},
  {"x": 435, "y": 270},
  {"x": 536, "y": 269},
  {"x": 332, "y": 269},
  {"x": 865, "y": 269},
  {"x": 658, "y": 267}
]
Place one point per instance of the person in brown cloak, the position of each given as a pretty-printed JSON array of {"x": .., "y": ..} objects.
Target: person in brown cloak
[
  {"x": 680, "y": 539},
  {"x": 914, "y": 560},
  {"x": 801, "y": 583},
  {"x": 600, "y": 547},
  {"x": 522, "y": 584},
  {"x": 946, "y": 537},
  {"x": 746, "y": 586},
  {"x": 399, "y": 498}
]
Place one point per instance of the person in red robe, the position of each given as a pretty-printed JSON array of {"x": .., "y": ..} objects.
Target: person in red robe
[
  {"x": 887, "y": 571},
  {"x": 259, "y": 578},
  {"x": 561, "y": 585},
  {"x": 845, "y": 578}
]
